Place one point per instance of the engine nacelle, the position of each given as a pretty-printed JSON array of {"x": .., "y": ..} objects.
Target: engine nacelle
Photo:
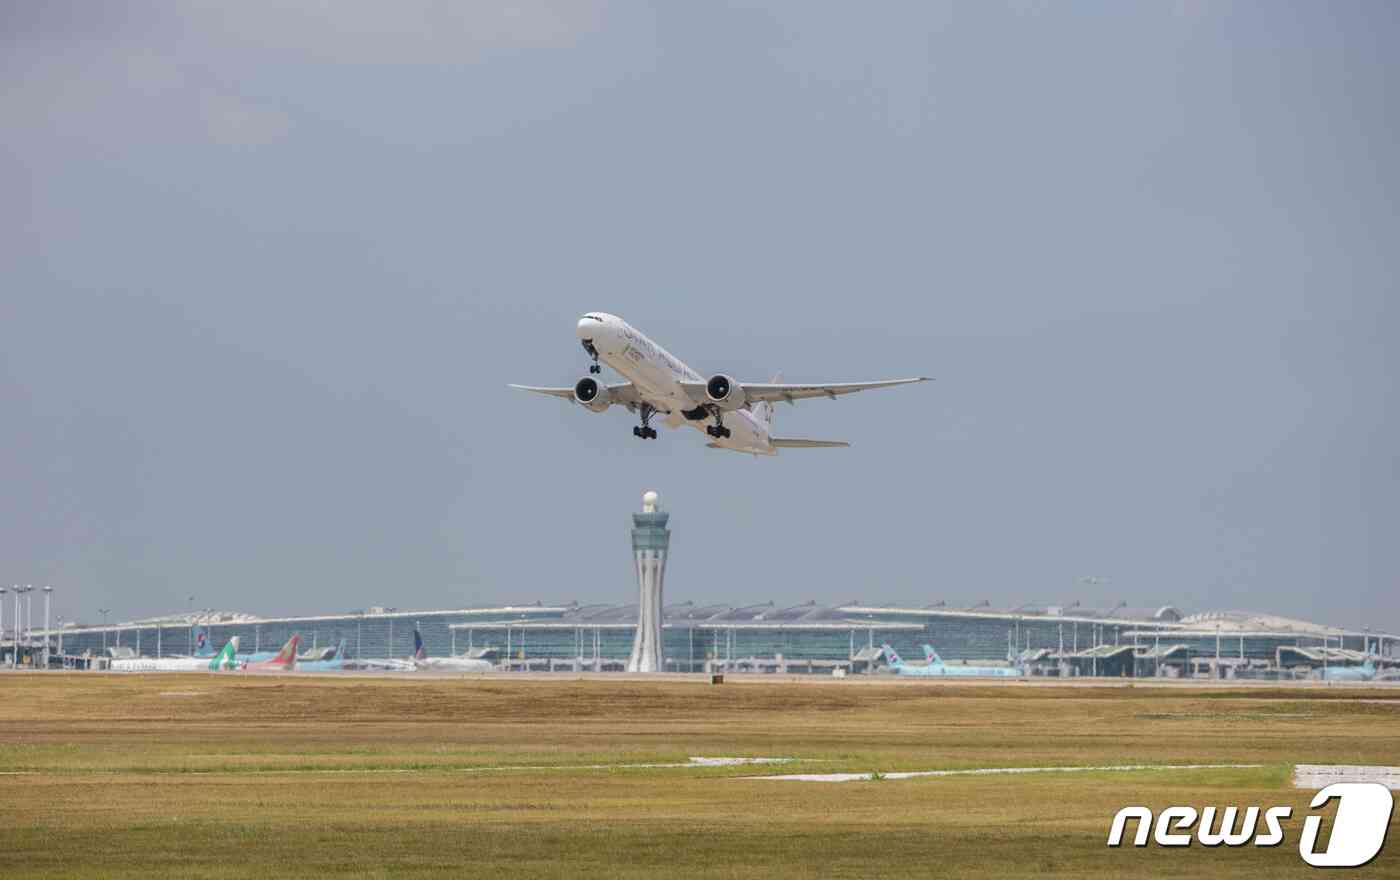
[
  {"x": 724, "y": 392},
  {"x": 591, "y": 393}
]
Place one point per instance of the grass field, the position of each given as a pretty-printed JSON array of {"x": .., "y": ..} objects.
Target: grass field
[{"x": 213, "y": 776}]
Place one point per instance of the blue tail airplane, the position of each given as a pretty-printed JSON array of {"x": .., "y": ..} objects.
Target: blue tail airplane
[{"x": 936, "y": 667}]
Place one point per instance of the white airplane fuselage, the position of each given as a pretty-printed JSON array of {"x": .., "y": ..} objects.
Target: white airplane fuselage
[
  {"x": 938, "y": 670},
  {"x": 454, "y": 664},
  {"x": 657, "y": 375},
  {"x": 162, "y": 664}
]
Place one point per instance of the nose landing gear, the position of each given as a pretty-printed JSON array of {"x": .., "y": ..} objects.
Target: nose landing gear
[{"x": 593, "y": 353}]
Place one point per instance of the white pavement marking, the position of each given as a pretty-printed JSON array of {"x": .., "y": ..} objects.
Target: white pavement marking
[
  {"x": 1319, "y": 776},
  {"x": 692, "y": 762},
  {"x": 988, "y": 771}
]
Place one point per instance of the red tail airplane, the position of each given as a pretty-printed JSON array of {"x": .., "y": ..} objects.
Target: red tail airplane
[{"x": 285, "y": 660}]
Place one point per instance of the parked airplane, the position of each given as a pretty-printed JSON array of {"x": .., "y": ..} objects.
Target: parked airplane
[
  {"x": 735, "y": 415},
  {"x": 313, "y": 655},
  {"x": 225, "y": 660},
  {"x": 381, "y": 664},
  {"x": 936, "y": 667},
  {"x": 421, "y": 660},
  {"x": 334, "y": 662},
  {"x": 1364, "y": 672},
  {"x": 284, "y": 660}
]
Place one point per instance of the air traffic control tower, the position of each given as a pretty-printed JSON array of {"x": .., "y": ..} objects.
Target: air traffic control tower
[{"x": 651, "y": 541}]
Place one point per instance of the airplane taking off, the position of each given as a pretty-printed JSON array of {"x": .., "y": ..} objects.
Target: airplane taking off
[
  {"x": 225, "y": 660},
  {"x": 735, "y": 415},
  {"x": 936, "y": 667},
  {"x": 421, "y": 660}
]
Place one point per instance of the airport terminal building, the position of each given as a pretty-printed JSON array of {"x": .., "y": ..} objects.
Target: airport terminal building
[{"x": 1064, "y": 640}]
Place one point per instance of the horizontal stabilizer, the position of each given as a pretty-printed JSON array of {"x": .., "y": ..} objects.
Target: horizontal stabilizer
[{"x": 782, "y": 443}]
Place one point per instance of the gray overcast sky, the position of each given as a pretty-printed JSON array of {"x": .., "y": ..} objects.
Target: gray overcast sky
[{"x": 267, "y": 268}]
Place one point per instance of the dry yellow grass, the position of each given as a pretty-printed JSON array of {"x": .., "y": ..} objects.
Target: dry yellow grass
[{"x": 216, "y": 776}]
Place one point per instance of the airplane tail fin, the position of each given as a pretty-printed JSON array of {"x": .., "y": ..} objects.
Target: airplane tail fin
[
  {"x": 932, "y": 656},
  {"x": 339, "y": 651},
  {"x": 288, "y": 655},
  {"x": 202, "y": 647},
  {"x": 227, "y": 658},
  {"x": 419, "y": 652},
  {"x": 763, "y": 410},
  {"x": 892, "y": 656}
]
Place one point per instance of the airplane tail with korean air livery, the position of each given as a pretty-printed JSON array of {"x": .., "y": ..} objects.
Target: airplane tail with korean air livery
[{"x": 891, "y": 656}]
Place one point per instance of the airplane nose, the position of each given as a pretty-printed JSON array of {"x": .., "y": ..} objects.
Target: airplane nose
[{"x": 594, "y": 325}]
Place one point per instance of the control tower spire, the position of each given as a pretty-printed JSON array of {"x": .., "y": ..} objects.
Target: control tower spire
[{"x": 651, "y": 541}]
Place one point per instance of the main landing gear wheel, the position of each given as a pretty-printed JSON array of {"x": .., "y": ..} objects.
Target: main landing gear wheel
[
  {"x": 717, "y": 430},
  {"x": 645, "y": 430}
]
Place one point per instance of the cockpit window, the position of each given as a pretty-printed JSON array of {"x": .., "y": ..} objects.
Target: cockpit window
[{"x": 593, "y": 317}]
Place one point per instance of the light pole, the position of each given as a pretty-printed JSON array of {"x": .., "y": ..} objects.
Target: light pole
[
  {"x": 1094, "y": 581},
  {"x": 104, "y": 612},
  {"x": 29, "y": 619},
  {"x": 48, "y": 596},
  {"x": 2, "y": 622},
  {"x": 20, "y": 617},
  {"x": 60, "y": 640},
  {"x": 1217, "y": 652},
  {"x": 14, "y": 658}
]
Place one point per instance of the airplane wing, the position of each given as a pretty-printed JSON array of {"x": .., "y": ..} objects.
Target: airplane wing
[
  {"x": 774, "y": 392},
  {"x": 623, "y": 393}
]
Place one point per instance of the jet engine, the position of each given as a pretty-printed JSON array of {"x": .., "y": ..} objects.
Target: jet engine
[
  {"x": 724, "y": 392},
  {"x": 590, "y": 393}
]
